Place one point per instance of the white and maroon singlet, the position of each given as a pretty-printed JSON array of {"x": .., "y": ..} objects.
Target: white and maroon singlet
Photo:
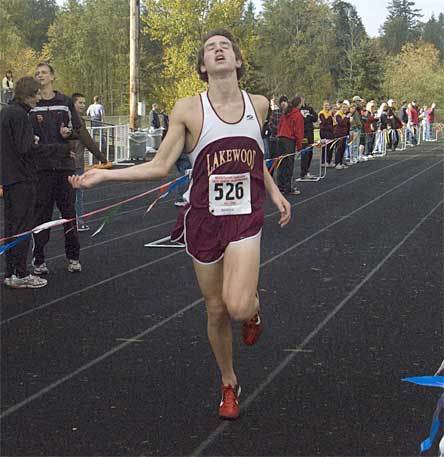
[
  {"x": 228, "y": 175},
  {"x": 227, "y": 191}
]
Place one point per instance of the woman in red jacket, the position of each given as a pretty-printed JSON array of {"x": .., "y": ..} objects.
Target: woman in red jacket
[
  {"x": 412, "y": 125},
  {"x": 290, "y": 136}
]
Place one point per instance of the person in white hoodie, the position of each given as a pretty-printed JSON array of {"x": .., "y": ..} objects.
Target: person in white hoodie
[{"x": 7, "y": 87}]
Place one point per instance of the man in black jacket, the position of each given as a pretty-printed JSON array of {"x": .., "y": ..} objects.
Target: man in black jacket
[
  {"x": 403, "y": 116},
  {"x": 19, "y": 151},
  {"x": 153, "y": 117},
  {"x": 310, "y": 117},
  {"x": 55, "y": 120}
]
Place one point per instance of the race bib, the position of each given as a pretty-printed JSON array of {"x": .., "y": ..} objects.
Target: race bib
[{"x": 230, "y": 194}]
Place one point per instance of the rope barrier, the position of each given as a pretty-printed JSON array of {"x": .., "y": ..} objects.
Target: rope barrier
[{"x": 164, "y": 189}]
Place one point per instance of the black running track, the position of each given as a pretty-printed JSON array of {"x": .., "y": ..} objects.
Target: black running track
[{"x": 115, "y": 361}]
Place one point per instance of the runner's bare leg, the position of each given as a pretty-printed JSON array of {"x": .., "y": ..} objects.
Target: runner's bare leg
[
  {"x": 210, "y": 279},
  {"x": 241, "y": 276}
]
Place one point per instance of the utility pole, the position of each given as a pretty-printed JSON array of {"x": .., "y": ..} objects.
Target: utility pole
[{"x": 134, "y": 61}]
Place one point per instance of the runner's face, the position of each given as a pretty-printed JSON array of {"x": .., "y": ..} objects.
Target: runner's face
[
  {"x": 219, "y": 56},
  {"x": 44, "y": 76},
  {"x": 326, "y": 106},
  {"x": 80, "y": 104}
]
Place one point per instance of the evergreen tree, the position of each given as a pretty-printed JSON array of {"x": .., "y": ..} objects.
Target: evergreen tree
[
  {"x": 433, "y": 32},
  {"x": 294, "y": 49},
  {"x": 249, "y": 40},
  {"x": 368, "y": 68},
  {"x": 401, "y": 25},
  {"x": 350, "y": 40},
  {"x": 32, "y": 18}
]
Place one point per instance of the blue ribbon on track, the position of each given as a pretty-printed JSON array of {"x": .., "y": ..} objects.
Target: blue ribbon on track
[
  {"x": 13, "y": 243},
  {"x": 182, "y": 180},
  {"x": 429, "y": 381},
  {"x": 427, "y": 443},
  {"x": 436, "y": 425}
]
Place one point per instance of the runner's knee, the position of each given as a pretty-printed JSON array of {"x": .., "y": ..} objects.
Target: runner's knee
[
  {"x": 240, "y": 306},
  {"x": 216, "y": 311}
]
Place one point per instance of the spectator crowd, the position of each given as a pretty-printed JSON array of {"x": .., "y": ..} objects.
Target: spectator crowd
[
  {"x": 44, "y": 138},
  {"x": 351, "y": 132}
]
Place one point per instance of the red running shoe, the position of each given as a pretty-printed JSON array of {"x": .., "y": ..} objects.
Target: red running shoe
[
  {"x": 229, "y": 403},
  {"x": 252, "y": 330}
]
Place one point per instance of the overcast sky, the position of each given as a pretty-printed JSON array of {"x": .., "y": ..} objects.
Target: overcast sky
[{"x": 374, "y": 12}]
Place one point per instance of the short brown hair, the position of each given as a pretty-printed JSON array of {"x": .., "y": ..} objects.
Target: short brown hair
[
  {"x": 237, "y": 52},
  {"x": 46, "y": 64},
  {"x": 26, "y": 87}
]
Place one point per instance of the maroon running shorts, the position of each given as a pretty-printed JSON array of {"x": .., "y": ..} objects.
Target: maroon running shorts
[{"x": 206, "y": 236}]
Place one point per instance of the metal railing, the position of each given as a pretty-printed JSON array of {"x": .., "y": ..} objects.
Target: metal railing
[
  {"x": 112, "y": 141},
  {"x": 122, "y": 146}
]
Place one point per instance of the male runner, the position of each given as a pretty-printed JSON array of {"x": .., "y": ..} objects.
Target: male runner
[{"x": 222, "y": 223}]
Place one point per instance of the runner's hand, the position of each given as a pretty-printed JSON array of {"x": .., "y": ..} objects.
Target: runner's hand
[
  {"x": 284, "y": 208},
  {"x": 89, "y": 179}
]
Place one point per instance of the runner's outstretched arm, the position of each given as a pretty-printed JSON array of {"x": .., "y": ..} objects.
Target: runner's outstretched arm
[{"x": 167, "y": 155}]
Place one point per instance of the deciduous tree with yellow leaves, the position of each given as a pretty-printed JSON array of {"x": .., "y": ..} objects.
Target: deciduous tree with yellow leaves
[{"x": 415, "y": 73}]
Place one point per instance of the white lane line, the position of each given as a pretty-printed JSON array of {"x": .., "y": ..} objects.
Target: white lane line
[
  {"x": 347, "y": 216},
  {"x": 119, "y": 214},
  {"x": 269, "y": 379},
  {"x": 57, "y": 300},
  {"x": 92, "y": 286},
  {"x": 93, "y": 362},
  {"x": 268, "y": 215},
  {"x": 90, "y": 364},
  {"x": 116, "y": 238},
  {"x": 109, "y": 240},
  {"x": 130, "y": 340}
]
